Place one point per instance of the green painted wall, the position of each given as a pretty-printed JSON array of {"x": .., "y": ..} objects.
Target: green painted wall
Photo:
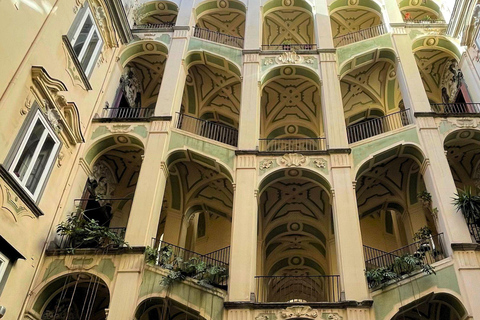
[
  {"x": 346, "y": 52},
  {"x": 233, "y": 54}
]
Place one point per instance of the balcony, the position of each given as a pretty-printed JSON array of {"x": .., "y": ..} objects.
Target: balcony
[
  {"x": 455, "y": 108},
  {"x": 373, "y": 127},
  {"x": 218, "y": 37},
  {"x": 296, "y": 289},
  {"x": 360, "y": 35},
  {"x": 126, "y": 114},
  {"x": 424, "y": 22},
  {"x": 289, "y": 47},
  {"x": 207, "y": 129},
  {"x": 156, "y": 26},
  {"x": 292, "y": 144}
]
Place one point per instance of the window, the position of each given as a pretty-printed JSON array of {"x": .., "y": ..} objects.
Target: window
[
  {"x": 86, "y": 40},
  {"x": 3, "y": 265},
  {"x": 34, "y": 157}
]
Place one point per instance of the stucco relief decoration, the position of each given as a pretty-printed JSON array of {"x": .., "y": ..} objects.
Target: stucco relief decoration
[
  {"x": 104, "y": 24},
  {"x": 331, "y": 316},
  {"x": 102, "y": 181},
  {"x": 293, "y": 160},
  {"x": 309, "y": 60},
  {"x": 27, "y": 105},
  {"x": 466, "y": 123},
  {"x": 451, "y": 81},
  {"x": 320, "y": 163},
  {"x": 290, "y": 57},
  {"x": 120, "y": 128},
  {"x": 262, "y": 317},
  {"x": 266, "y": 164},
  {"x": 268, "y": 61},
  {"x": 10, "y": 202},
  {"x": 303, "y": 312},
  {"x": 131, "y": 87}
]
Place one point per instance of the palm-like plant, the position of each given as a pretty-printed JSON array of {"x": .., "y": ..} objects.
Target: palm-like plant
[{"x": 469, "y": 205}]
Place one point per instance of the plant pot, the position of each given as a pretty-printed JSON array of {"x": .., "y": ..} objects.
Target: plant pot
[{"x": 424, "y": 247}]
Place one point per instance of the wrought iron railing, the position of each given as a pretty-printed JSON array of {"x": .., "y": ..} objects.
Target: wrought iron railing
[
  {"x": 455, "y": 108},
  {"x": 359, "y": 35},
  {"x": 220, "y": 255},
  {"x": 218, "y": 37},
  {"x": 289, "y": 47},
  {"x": 208, "y": 129},
  {"x": 424, "y": 21},
  {"x": 474, "y": 228},
  {"x": 293, "y": 144},
  {"x": 167, "y": 25},
  {"x": 126, "y": 113},
  {"x": 298, "y": 288},
  {"x": 175, "y": 253},
  {"x": 373, "y": 127},
  {"x": 428, "y": 250}
]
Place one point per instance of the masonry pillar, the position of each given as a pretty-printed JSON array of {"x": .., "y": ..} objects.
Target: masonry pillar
[
  {"x": 253, "y": 25},
  {"x": 244, "y": 230},
  {"x": 173, "y": 228},
  {"x": 348, "y": 237},
  {"x": 173, "y": 81},
  {"x": 249, "y": 124},
  {"x": 147, "y": 202},
  {"x": 323, "y": 27},
  {"x": 332, "y": 104},
  {"x": 439, "y": 182}
]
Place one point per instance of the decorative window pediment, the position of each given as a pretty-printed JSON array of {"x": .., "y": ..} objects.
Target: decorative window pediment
[{"x": 63, "y": 115}]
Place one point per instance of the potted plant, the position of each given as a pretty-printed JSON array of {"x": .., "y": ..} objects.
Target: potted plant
[
  {"x": 469, "y": 205},
  {"x": 286, "y": 45},
  {"x": 423, "y": 236}
]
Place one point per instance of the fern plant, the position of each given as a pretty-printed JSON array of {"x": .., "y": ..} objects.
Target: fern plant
[{"x": 469, "y": 205}]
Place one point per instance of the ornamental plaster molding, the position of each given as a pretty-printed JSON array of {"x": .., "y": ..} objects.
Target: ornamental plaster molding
[
  {"x": 119, "y": 128},
  {"x": 252, "y": 58},
  {"x": 265, "y": 164},
  {"x": 262, "y": 317},
  {"x": 304, "y": 312},
  {"x": 290, "y": 57},
  {"x": 320, "y": 163},
  {"x": 160, "y": 126},
  {"x": 331, "y": 316},
  {"x": 104, "y": 22},
  {"x": 328, "y": 57},
  {"x": 340, "y": 160},
  {"x": 10, "y": 202},
  {"x": 292, "y": 160},
  {"x": 467, "y": 259},
  {"x": 246, "y": 161},
  {"x": 180, "y": 34}
]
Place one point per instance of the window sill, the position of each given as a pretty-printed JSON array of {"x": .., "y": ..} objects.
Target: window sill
[
  {"x": 77, "y": 66},
  {"x": 18, "y": 189}
]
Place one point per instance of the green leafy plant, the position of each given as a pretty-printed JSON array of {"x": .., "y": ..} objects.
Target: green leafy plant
[
  {"x": 423, "y": 233},
  {"x": 151, "y": 255},
  {"x": 425, "y": 197},
  {"x": 469, "y": 205},
  {"x": 83, "y": 232}
]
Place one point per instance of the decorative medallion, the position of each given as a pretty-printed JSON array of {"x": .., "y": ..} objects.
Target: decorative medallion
[
  {"x": 320, "y": 163},
  {"x": 268, "y": 62},
  {"x": 265, "y": 164},
  {"x": 303, "y": 312},
  {"x": 331, "y": 316},
  {"x": 293, "y": 160},
  {"x": 262, "y": 317},
  {"x": 290, "y": 57}
]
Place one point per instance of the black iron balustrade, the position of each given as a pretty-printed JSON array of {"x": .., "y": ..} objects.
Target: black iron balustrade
[
  {"x": 428, "y": 250},
  {"x": 292, "y": 144},
  {"x": 373, "y": 127},
  {"x": 175, "y": 252},
  {"x": 289, "y": 47},
  {"x": 218, "y": 37},
  {"x": 127, "y": 113},
  {"x": 220, "y": 255},
  {"x": 166, "y": 25},
  {"x": 474, "y": 228},
  {"x": 298, "y": 288},
  {"x": 424, "y": 21},
  {"x": 455, "y": 108},
  {"x": 208, "y": 129},
  {"x": 360, "y": 35}
]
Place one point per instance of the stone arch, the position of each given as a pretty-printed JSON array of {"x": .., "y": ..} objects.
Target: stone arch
[
  {"x": 142, "y": 47},
  {"x": 224, "y": 16},
  {"x": 156, "y": 12},
  {"x": 419, "y": 10},
  {"x": 103, "y": 145},
  {"x": 47, "y": 299}
]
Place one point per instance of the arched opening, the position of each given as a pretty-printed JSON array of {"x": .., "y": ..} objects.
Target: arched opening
[
  {"x": 353, "y": 22},
  {"x": 372, "y": 101},
  {"x": 155, "y": 14},
  {"x": 297, "y": 241},
  {"x": 197, "y": 207},
  {"x": 143, "y": 65},
  {"x": 420, "y": 12},
  {"x": 78, "y": 296},
  {"x": 463, "y": 155},
  {"x": 431, "y": 307},
  {"x": 437, "y": 60},
  {"x": 163, "y": 309},
  {"x": 291, "y": 111},
  {"x": 288, "y": 25},
  {"x": 395, "y": 212},
  {"x": 211, "y": 98},
  {"x": 221, "y": 21}
]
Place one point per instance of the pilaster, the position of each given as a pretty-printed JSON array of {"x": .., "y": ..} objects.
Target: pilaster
[
  {"x": 323, "y": 27},
  {"x": 147, "y": 202},
  {"x": 243, "y": 255},
  {"x": 348, "y": 237},
  {"x": 249, "y": 126},
  {"x": 332, "y": 104},
  {"x": 173, "y": 228},
  {"x": 253, "y": 25}
]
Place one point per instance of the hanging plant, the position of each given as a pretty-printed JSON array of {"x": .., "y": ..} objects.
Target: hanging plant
[
  {"x": 469, "y": 205},
  {"x": 151, "y": 255},
  {"x": 425, "y": 197}
]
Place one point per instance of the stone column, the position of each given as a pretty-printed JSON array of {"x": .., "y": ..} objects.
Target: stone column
[
  {"x": 243, "y": 255},
  {"x": 348, "y": 237},
  {"x": 323, "y": 27},
  {"x": 253, "y": 25},
  {"x": 147, "y": 202},
  {"x": 394, "y": 15},
  {"x": 332, "y": 104},
  {"x": 439, "y": 182},
  {"x": 124, "y": 294},
  {"x": 249, "y": 126},
  {"x": 173, "y": 81},
  {"x": 173, "y": 228},
  {"x": 408, "y": 76}
]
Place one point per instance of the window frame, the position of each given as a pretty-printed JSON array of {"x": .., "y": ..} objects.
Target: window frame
[
  {"x": 3, "y": 266},
  {"x": 18, "y": 151},
  {"x": 78, "y": 28}
]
